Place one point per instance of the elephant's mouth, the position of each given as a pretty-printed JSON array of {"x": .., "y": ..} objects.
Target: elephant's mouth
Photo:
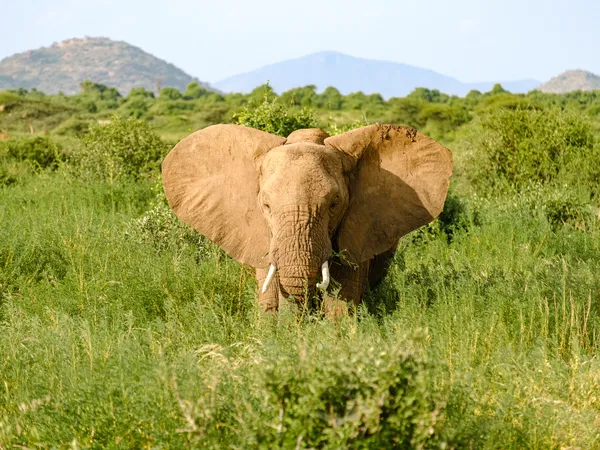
[{"x": 323, "y": 284}]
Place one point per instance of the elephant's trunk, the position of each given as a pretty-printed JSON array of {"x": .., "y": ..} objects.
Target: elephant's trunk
[
  {"x": 300, "y": 248},
  {"x": 298, "y": 272}
]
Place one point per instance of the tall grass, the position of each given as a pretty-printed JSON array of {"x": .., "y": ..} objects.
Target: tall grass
[
  {"x": 106, "y": 341},
  {"x": 119, "y": 328}
]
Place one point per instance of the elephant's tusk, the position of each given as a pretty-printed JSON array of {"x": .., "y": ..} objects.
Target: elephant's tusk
[
  {"x": 325, "y": 271},
  {"x": 270, "y": 276}
]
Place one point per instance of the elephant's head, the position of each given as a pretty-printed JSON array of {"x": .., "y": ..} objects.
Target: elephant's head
[{"x": 290, "y": 203}]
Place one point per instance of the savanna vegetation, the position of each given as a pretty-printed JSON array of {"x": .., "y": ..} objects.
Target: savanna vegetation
[{"x": 122, "y": 328}]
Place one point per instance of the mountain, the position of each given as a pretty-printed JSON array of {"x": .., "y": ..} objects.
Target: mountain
[
  {"x": 62, "y": 66},
  {"x": 351, "y": 74},
  {"x": 571, "y": 80}
]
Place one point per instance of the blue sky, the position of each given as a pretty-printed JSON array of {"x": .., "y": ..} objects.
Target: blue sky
[{"x": 472, "y": 40}]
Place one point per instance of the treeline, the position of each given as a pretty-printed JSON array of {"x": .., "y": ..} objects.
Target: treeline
[{"x": 171, "y": 110}]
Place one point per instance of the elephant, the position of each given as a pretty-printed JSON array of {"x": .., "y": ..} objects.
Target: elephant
[{"x": 309, "y": 205}]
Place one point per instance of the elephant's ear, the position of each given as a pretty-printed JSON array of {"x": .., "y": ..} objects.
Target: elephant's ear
[
  {"x": 398, "y": 184},
  {"x": 211, "y": 183}
]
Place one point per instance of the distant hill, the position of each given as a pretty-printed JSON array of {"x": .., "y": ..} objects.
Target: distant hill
[
  {"x": 350, "y": 74},
  {"x": 62, "y": 66},
  {"x": 571, "y": 80}
]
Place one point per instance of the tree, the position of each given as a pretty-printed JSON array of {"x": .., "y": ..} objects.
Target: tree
[
  {"x": 273, "y": 117},
  {"x": 498, "y": 89},
  {"x": 259, "y": 93},
  {"x": 406, "y": 111},
  {"x": 356, "y": 100},
  {"x": 140, "y": 92},
  {"x": 100, "y": 91},
  {"x": 429, "y": 95},
  {"x": 331, "y": 98},
  {"x": 170, "y": 93},
  {"x": 304, "y": 96},
  {"x": 194, "y": 91},
  {"x": 441, "y": 118},
  {"x": 473, "y": 98}
]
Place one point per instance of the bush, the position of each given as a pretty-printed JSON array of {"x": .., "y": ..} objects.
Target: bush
[
  {"x": 194, "y": 91},
  {"x": 441, "y": 119},
  {"x": 407, "y": 111},
  {"x": 272, "y": 117},
  {"x": 558, "y": 204},
  {"x": 334, "y": 128},
  {"x": 566, "y": 208},
  {"x": 512, "y": 148},
  {"x": 160, "y": 227},
  {"x": 163, "y": 230},
  {"x": 73, "y": 127},
  {"x": 7, "y": 177},
  {"x": 212, "y": 114},
  {"x": 370, "y": 398},
  {"x": 332, "y": 395},
  {"x": 457, "y": 216},
  {"x": 41, "y": 151},
  {"x": 172, "y": 107},
  {"x": 122, "y": 148},
  {"x": 505, "y": 101},
  {"x": 170, "y": 93},
  {"x": 136, "y": 106}
]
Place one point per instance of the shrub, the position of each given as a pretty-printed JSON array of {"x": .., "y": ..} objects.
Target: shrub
[
  {"x": 172, "y": 107},
  {"x": 457, "y": 216},
  {"x": 135, "y": 106},
  {"x": 7, "y": 177},
  {"x": 517, "y": 147},
  {"x": 72, "y": 127},
  {"x": 272, "y": 117},
  {"x": 122, "y": 148},
  {"x": 160, "y": 227},
  {"x": 559, "y": 204},
  {"x": 440, "y": 119},
  {"x": 170, "y": 93},
  {"x": 194, "y": 91},
  {"x": 163, "y": 230},
  {"x": 41, "y": 151},
  {"x": 334, "y": 128},
  {"x": 593, "y": 110},
  {"x": 212, "y": 114},
  {"x": 505, "y": 101},
  {"x": 369, "y": 398},
  {"x": 331, "y": 98},
  {"x": 566, "y": 208},
  {"x": 340, "y": 394},
  {"x": 428, "y": 95},
  {"x": 140, "y": 92},
  {"x": 407, "y": 111}
]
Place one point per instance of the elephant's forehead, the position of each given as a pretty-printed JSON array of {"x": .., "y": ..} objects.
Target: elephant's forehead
[
  {"x": 301, "y": 157},
  {"x": 302, "y": 169}
]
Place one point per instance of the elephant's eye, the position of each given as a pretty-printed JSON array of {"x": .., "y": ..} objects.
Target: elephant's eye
[
  {"x": 266, "y": 207},
  {"x": 334, "y": 202}
]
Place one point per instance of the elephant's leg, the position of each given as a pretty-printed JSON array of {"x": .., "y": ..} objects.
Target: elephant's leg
[
  {"x": 379, "y": 267},
  {"x": 268, "y": 301},
  {"x": 353, "y": 282}
]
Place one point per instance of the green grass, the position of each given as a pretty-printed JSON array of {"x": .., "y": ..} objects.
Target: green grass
[
  {"x": 121, "y": 328},
  {"x": 489, "y": 340}
]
